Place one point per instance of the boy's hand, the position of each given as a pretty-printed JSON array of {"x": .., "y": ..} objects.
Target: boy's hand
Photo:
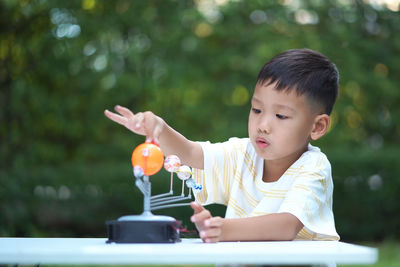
[
  {"x": 210, "y": 228},
  {"x": 143, "y": 123}
]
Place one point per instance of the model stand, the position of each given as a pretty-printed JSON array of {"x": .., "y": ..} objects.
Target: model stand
[{"x": 147, "y": 159}]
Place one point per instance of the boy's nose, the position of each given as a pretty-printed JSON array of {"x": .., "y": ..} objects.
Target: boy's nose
[
  {"x": 263, "y": 130},
  {"x": 264, "y": 126}
]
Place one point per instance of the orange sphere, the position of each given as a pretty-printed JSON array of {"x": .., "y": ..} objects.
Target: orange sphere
[{"x": 149, "y": 157}]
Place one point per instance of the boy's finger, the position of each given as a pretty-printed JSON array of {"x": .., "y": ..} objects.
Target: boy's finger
[
  {"x": 139, "y": 118},
  {"x": 213, "y": 222},
  {"x": 124, "y": 111},
  {"x": 210, "y": 233},
  {"x": 196, "y": 207},
  {"x": 210, "y": 240},
  {"x": 153, "y": 127},
  {"x": 201, "y": 216},
  {"x": 115, "y": 117}
]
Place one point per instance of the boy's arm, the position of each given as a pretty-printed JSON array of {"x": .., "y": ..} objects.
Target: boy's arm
[
  {"x": 172, "y": 142},
  {"x": 277, "y": 226},
  {"x": 157, "y": 130}
]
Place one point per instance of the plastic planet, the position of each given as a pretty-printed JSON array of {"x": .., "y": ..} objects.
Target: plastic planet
[
  {"x": 148, "y": 157},
  {"x": 191, "y": 183},
  {"x": 172, "y": 163},
  {"x": 184, "y": 172},
  {"x": 138, "y": 171},
  {"x": 198, "y": 188}
]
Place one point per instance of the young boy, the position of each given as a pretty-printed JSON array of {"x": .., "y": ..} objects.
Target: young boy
[{"x": 275, "y": 184}]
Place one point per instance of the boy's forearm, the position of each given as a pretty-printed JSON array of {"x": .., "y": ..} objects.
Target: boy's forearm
[
  {"x": 172, "y": 142},
  {"x": 279, "y": 226}
]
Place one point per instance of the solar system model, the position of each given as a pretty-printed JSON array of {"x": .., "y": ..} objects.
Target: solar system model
[{"x": 147, "y": 159}]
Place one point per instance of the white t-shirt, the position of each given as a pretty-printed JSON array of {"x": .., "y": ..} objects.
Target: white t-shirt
[{"x": 232, "y": 176}]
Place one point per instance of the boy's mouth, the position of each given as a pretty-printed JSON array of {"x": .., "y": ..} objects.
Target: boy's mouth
[{"x": 261, "y": 142}]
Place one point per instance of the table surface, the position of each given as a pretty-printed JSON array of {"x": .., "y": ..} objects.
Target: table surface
[{"x": 95, "y": 251}]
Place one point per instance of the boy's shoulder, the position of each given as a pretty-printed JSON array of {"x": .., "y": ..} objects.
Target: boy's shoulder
[
  {"x": 237, "y": 141},
  {"x": 233, "y": 142},
  {"x": 314, "y": 160},
  {"x": 243, "y": 145},
  {"x": 232, "y": 145},
  {"x": 240, "y": 146}
]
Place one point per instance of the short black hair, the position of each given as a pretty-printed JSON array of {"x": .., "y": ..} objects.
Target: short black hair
[{"x": 308, "y": 72}]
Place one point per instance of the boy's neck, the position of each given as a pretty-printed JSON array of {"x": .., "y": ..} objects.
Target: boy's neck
[
  {"x": 274, "y": 169},
  {"x": 272, "y": 172}
]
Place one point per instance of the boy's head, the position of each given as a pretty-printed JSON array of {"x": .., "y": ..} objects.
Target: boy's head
[
  {"x": 291, "y": 103},
  {"x": 307, "y": 72}
]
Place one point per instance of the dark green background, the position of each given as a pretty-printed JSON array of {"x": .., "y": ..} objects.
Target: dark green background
[{"x": 65, "y": 169}]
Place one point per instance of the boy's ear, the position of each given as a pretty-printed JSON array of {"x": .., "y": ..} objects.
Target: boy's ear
[{"x": 320, "y": 127}]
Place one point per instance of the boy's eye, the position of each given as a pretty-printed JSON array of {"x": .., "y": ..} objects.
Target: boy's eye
[
  {"x": 255, "y": 110},
  {"x": 281, "y": 117}
]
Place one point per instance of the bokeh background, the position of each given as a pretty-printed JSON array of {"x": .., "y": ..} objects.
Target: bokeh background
[{"x": 65, "y": 169}]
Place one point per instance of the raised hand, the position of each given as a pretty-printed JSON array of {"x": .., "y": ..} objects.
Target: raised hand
[{"x": 142, "y": 123}]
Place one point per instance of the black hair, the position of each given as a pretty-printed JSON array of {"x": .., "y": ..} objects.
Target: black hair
[{"x": 308, "y": 72}]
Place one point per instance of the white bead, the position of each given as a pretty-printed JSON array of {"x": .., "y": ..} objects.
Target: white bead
[{"x": 184, "y": 172}]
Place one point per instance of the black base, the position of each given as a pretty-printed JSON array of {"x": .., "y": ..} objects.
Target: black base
[{"x": 143, "y": 231}]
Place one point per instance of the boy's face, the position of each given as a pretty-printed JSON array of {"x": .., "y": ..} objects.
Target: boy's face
[{"x": 280, "y": 123}]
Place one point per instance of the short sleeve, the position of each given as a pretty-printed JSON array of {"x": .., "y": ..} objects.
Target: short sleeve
[
  {"x": 310, "y": 200},
  {"x": 220, "y": 163}
]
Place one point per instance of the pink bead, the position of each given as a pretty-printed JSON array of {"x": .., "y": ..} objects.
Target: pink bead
[{"x": 172, "y": 163}]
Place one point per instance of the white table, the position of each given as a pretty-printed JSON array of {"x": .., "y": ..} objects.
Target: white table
[{"x": 94, "y": 251}]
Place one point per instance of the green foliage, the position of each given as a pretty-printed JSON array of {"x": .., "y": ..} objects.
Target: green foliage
[
  {"x": 389, "y": 254},
  {"x": 64, "y": 168}
]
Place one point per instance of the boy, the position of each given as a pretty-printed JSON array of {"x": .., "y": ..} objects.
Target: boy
[{"x": 275, "y": 184}]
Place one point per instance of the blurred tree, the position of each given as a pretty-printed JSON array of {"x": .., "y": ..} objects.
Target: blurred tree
[{"x": 64, "y": 168}]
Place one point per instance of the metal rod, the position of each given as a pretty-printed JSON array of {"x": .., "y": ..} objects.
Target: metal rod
[
  {"x": 170, "y": 206},
  {"x": 177, "y": 198},
  {"x": 162, "y": 195},
  {"x": 147, "y": 194},
  {"x": 139, "y": 184},
  {"x": 171, "y": 183},
  {"x": 168, "y": 201}
]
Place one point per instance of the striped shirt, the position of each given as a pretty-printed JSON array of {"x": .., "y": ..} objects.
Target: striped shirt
[{"x": 232, "y": 176}]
